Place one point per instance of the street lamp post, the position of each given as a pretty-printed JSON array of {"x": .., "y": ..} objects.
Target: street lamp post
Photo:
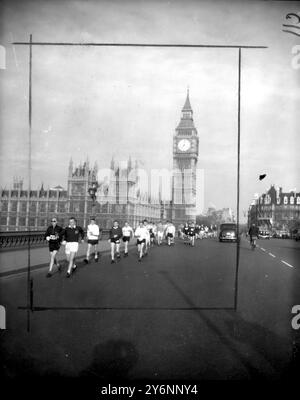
[{"x": 92, "y": 192}]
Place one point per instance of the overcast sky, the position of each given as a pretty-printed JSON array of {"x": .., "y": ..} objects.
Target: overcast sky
[{"x": 103, "y": 102}]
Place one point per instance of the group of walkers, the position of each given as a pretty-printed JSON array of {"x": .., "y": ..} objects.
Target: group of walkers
[
  {"x": 190, "y": 231},
  {"x": 70, "y": 238},
  {"x": 146, "y": 234}
]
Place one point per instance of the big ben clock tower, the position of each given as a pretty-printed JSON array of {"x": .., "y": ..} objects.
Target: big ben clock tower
[{"x": 185, "y": 157}]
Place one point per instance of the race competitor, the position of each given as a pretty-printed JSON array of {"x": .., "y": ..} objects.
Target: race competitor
[
  {"x": 72, "y": 234},
  {"x": 170, "y": 233},
  {"x": 141, "y": 233},
  {"x": 186, "y": 233},
  {"x": 115, "y": 234},
  {"x": 206, "y": 230},
  {"x": 127, "y": 232},
  {"x": 197, "y": 231},
  {"x": 53, "y": 235},
  {"x": 192, "y": 234},
  {"x": 93, "y": 233},
  {"x": 147, "y": 242},
  {"x": 202, "y": 232},
  {"x": 152, "y": 231},
  {"x": 160, "y": 233}
]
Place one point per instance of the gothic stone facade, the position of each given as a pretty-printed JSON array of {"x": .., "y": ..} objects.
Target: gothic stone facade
[{"x": 23, "y": 210}]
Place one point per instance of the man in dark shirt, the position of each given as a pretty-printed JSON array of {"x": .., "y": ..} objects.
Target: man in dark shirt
[
  {"x": 192, "y": 234},
  {"x": 186, "y": 233},
  {"x": 72, "y": 234},
  {"x": 115, "y": 234},
  {"x": 253, "y": 232},
  {"x": 53, "y": 235}
]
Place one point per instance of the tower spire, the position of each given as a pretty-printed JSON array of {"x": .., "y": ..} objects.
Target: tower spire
[
  {"x": 112, "y": 163},
  {"x": 70, "y": 166},
  {"x": 187, "y": 105},
  {"x": 129, "y": 164}
]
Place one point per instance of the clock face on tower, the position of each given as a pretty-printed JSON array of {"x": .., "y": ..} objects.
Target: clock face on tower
[{"x": 184, "y": 145}]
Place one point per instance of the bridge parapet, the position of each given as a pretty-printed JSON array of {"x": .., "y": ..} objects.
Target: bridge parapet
[{"x": 10, "y": 241}]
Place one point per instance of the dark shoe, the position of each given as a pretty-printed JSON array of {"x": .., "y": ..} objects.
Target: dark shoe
[
  {"x": 112, "y": 261},
  {"x": 118, "y": 255},
  {"x": 96, "y": 259},
  {"x": 49, "y": 275},
  {"x": 140, "y": 259},
  {"x": 68, "y": 274},
  {"x": 86, "y": 261},
  {"x": 58, "y": 267},
  {"x": 74, "y": 267},
  {"x": 125, "y": 254}
]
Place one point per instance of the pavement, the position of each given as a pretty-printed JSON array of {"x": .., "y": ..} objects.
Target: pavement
[
  {"x": 12, "y": 262},
  {"x": 147, "y": 321}
]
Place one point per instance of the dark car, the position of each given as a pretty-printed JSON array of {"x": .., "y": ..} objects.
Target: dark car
[
  {"x": 297, "y": 235},
  {"x": 228, "y": 232},
  {"x": 284, "y": 234}
]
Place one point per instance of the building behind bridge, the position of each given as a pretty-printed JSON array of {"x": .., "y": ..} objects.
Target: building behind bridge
[
  {"x": 119, "y": 199},
  {"x": 278, "y": 209}
]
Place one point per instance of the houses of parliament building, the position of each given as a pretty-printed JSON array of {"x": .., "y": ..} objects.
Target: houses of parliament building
[{"x": 120, "y": 197}]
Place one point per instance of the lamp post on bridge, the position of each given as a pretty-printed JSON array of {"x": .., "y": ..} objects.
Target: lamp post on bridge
[{"x": 92, "y": 190}]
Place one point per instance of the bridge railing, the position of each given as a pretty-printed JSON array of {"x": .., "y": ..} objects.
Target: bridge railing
[{"x": 10, "y": 241}]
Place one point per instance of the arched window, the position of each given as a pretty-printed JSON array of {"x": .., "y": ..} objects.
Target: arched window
[
  {"x": 285, "y": 200},
  {"x": 292, "y": 200},
  {"x": 278, "y": 200},
  {"x": 298, "y": 199}
]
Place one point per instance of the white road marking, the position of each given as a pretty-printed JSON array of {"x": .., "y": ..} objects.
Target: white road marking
[
  {"x": 289, "y": 265},
  {"x": 272, "y": 255}
]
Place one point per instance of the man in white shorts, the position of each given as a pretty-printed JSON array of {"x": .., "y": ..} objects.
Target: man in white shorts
[
  {"x": 93, "y": 233},
  {"x": 127, "y": 233},
  {"x": 72, "y": 234},
  {"x": 160, "y": 233},
  {"x": 148, "y": 238},
  {"x": 170, "y": 233},
  {"x": 141, "y": 233}
]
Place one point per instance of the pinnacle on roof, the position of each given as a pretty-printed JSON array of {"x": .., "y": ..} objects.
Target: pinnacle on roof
[
  {"x": 187, "y": 105},
  {"x": 112, "y": 163}
]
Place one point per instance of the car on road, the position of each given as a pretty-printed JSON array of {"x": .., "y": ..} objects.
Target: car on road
[
  {"x": 264, "y": 234},
  {"x": 281, "y": 234},
  {"x": 296, "y": 235},
  {"x": 228, "y": 232},
  {"x": 284, "y": 234}
]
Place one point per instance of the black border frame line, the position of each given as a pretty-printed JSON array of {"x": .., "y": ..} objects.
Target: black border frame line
[
  {"x": 45, "y": 308},
  {"x": 30, "y": 306},
  {"x": 221, "y": 46}
]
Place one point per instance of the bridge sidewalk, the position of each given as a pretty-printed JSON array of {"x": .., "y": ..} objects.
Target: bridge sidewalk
[{"x": 16, "y": 260}]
